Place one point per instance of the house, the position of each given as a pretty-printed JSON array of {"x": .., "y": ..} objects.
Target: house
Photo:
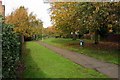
[{"x": 2, "y": 9}]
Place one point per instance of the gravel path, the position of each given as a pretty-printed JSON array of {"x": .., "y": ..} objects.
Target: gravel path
[{"x": 103, "y": 67}]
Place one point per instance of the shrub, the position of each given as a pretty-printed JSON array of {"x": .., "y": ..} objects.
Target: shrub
[
  {"x": 10, "y": 51},
  {"x": 87, "y": 36},
  {"x": 0, "y": 45}
]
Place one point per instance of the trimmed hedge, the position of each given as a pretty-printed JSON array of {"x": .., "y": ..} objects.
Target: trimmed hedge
[{"x": 10, "y": 51}]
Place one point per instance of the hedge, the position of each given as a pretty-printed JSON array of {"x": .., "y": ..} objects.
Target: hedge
[{"x": 10, "y": 51}]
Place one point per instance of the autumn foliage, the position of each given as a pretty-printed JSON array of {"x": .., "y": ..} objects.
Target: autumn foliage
[
  {"x": 93, "y": 17},
  {"x": 25, "y": 24}
]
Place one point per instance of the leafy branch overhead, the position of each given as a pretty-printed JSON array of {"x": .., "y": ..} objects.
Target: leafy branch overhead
[{"x": 85, "y": 17}]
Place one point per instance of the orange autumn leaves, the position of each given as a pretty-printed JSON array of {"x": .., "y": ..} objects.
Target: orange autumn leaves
[
  {"x": 24, "y": 23},
  {"x": 73, "y": 16},
  {"x": 51, "y": 31}
]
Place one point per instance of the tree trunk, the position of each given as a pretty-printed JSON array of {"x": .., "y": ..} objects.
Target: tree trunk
[{"x": 96, "y": 37}]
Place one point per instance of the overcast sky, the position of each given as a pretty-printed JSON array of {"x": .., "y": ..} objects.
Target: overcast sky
[{"x": 38, "y": 7}]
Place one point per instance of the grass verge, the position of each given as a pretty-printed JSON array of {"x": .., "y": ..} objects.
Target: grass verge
[
  {"x": 109, "y": 55},
  {"x": 41, "y": 62}
]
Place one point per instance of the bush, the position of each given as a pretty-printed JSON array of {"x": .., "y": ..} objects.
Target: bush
[
  {"x": 10, "y": 51},
  {"x": 87, "y": 36},
  {"x": 0, "y": 45}
]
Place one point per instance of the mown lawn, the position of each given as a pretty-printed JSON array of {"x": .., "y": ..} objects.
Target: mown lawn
[
  {"x": 41, "y": 62},
  {"x": 103, "y": 51}
]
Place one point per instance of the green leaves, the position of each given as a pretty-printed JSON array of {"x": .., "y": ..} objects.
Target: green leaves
[
  {"x": 86, "y": 17},
  {"x": 10, "y": 51},
  {"x": 91, "y": 15}
]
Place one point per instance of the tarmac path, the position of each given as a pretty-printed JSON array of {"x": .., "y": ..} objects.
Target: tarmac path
[{"x": 106, "y": 68}]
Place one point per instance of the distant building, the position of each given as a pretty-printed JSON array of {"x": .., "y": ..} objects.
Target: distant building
[{"x": 2, "y": 9}]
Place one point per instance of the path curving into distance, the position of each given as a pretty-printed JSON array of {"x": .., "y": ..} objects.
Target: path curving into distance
[{"x": 108, "y": 69}]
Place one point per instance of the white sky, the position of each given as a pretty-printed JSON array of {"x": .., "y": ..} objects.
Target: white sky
[{"x": 38, "y": 7}]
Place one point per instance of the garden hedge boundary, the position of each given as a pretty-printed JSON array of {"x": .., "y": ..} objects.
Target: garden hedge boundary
[{"x": 11, "y": 48}]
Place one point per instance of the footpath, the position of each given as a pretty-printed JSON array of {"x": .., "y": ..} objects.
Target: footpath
[{"x": 103, "y": 67}]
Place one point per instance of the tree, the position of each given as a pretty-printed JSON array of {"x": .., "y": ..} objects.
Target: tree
[
  {"x": 101, "y": 17},
  {"x": 50, "y": 31},
  {"x": 63, "y": 16},
  {"x": 25, "y": 23},
  {"x": 93, "y": 17}
]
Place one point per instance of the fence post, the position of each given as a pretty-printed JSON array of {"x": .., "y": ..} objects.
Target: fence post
[{"x": 20, "y": 46}]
